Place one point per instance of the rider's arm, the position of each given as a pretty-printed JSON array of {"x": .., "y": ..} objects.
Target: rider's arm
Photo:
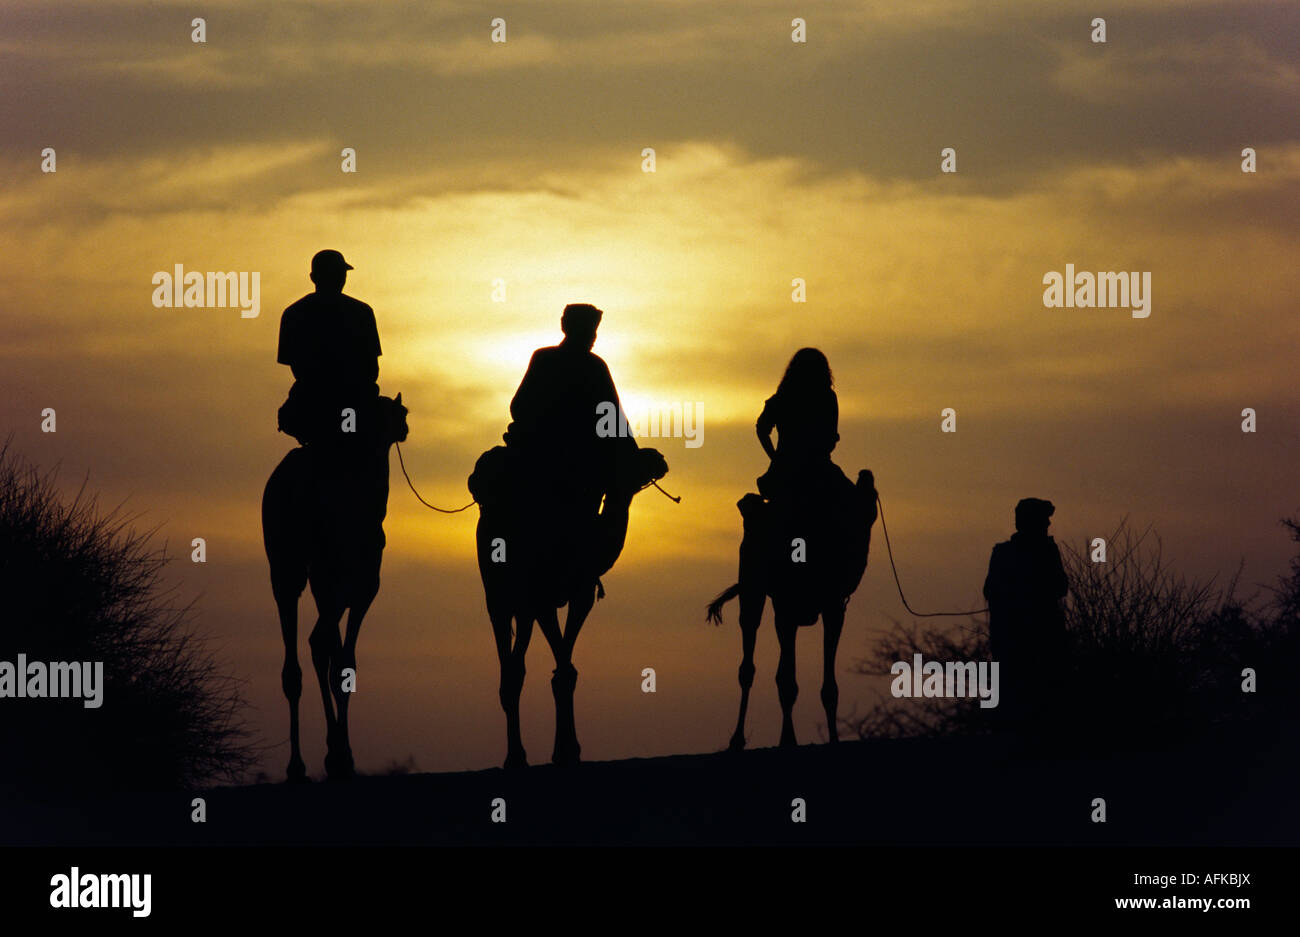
[
  {"x": 368, "y": 351},
  {"x": 835, "y": 420},
  {"x": 602, "y": 391},
  {"x": 287, "y": 351},
  {"x": 766, "y": 422},
  {"x": 522, "y": 405}
]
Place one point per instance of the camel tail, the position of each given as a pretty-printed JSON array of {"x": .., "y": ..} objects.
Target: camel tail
[{"x": 714, "y": 612}]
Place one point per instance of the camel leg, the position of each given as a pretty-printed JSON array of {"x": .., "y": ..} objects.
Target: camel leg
[
  {"x": 751, "y": 614},
  {"x": 501, "y": 591},
  {"x": 325, "y": 654},
  {"x": 580, "y": 606},
  {"x": 786, "y": 686},
  {"x": 348, "y": 660},
  {"x": 563, "y": 684},
  {"x": 833, "y": 623},
  {"x": 512, "y": 682},
  {"x": 291, "y": 678}
]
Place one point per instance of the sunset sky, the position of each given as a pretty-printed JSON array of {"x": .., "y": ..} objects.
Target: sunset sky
[{"x": 775, "y": 160}]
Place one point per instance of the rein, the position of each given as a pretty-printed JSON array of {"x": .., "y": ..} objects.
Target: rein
[{"x": 402, "y": 462}]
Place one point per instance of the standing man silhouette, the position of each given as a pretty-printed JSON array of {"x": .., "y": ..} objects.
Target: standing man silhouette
[
  {"x": 331, "y": 343},
  {"x": 1024, "y": 587}
]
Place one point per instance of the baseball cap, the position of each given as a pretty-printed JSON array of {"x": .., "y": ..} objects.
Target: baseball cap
[{"x": 329, "y": 260}]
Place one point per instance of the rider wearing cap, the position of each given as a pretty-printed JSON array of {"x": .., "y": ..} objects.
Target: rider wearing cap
[{"x": 331, "y": 343}]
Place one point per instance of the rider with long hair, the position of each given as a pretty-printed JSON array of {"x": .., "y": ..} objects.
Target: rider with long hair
[{"x": 804, "y": 411}]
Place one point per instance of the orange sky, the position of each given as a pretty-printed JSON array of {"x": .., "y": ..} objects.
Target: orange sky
[{"x": 775, "y": 160}]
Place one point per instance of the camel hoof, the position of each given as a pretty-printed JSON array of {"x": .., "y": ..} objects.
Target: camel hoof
[
  {"x": 297, "y": 773},
  {"x": 566, "y": 757},
  {"x": 788, "y": 740},
  {"x": 516, "y": 761},
  {"x": 737, "y": 744},
  {"x": 339, "y": 767}
]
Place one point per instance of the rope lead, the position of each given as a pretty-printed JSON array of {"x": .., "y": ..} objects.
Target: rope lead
[
  {"x": 900, "y": 585},
  {"x": 402, "y": 463}
]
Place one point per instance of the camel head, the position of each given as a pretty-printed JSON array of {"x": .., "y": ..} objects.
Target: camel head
[
  {"x": 867, "y": 492},
  {"x": 392, "y": 414},
  {"x": 645, "y": 466},
  {"x": 630, "y": 476}
]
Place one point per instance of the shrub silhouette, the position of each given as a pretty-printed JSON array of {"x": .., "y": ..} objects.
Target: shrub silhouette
[
  {"x": 82, "y": 586},
  {"x": 1152, "y": 658}
]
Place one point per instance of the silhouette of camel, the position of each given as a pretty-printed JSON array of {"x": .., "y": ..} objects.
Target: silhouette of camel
[
  {"x": 835, "y": 547},
  {"x": 322, "y": 522},
  {"x": 534, "y": 560}
]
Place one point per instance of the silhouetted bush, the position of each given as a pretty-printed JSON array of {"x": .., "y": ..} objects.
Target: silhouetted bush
[
  {"x": 397, "y": 769},
  {"x": 81, "y": 586},
  {"x": 1152, "y": 657}
]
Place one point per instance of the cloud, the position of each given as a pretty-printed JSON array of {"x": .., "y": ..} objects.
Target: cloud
[
  {"x": 879, "y": 87},
  {"x": 1224, "y": 61}
]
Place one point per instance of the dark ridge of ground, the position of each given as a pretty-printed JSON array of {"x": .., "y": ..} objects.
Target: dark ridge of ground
[{"x": 921, "y": 792}]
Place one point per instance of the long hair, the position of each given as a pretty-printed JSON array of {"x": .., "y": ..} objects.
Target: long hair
[{"x": 807, "y": 371}]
